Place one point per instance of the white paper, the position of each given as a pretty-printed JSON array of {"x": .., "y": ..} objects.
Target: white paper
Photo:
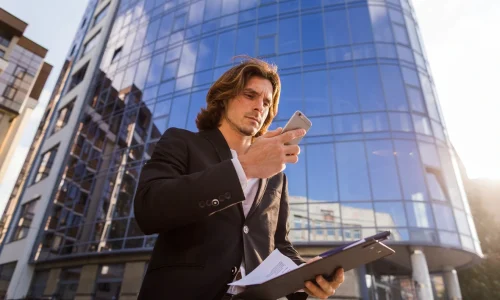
[{"x": 273, "y": 266}]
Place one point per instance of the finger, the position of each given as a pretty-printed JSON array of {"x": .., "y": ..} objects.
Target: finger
[
  {"x": 290, "y": 135},
  {"x": 325, "y": 285},
  {"x": 291, "y": 159},
  {"x": 339, "y": 278},
  {"x": 273, "y": 133},
  {"x": 292, "y": 149},
  {"x": 315, "y": 290}
]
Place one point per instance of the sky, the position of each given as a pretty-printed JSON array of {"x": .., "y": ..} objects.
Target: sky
[{"x": 460, "y": 43}]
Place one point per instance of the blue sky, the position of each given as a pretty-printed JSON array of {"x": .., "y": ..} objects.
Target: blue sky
[{"x": 460, "y": 40}]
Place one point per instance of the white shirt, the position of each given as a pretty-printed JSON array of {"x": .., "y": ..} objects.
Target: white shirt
[{"x": 249, "y": 187}]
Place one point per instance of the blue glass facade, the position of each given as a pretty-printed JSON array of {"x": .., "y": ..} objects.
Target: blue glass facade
[{"x": 376, "y": 158}]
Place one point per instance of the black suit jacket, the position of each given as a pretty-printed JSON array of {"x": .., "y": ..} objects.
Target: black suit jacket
[{"x": 190, "y": 194}]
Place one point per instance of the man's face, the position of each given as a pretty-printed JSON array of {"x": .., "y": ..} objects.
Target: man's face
[{"x": 247, "y": 111}]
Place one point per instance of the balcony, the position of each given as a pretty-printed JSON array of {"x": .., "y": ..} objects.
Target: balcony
[
  {"x": 9, "y": 105},
  {"x": 3, "y": 61}
]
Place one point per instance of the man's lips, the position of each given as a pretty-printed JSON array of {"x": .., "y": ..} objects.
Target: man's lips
[{"x": 255, "y": 119}]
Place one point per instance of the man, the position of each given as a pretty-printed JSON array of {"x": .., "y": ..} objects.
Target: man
[{"x": 218, "y": 198}]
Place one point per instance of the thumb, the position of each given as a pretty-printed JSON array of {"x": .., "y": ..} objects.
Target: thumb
[{"x": 273, "y": 133}]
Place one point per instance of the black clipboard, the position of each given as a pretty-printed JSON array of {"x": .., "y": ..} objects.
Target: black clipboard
[{"x": 349, "y": 257}]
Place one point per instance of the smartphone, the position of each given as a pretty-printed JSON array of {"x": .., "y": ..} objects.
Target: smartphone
[{"x": 297, "y": 121}]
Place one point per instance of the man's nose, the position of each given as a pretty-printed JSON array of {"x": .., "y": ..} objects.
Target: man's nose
[{"x": 259, "y": 106}]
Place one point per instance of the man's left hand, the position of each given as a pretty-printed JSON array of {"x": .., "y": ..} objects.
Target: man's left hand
[{"x": 324, "y": 288}]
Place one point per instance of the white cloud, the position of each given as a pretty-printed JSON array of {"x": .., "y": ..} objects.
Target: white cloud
[{"x": 462, "y": 48}]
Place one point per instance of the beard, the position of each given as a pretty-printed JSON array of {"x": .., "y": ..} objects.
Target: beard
[{"x": 244, "y": 130}]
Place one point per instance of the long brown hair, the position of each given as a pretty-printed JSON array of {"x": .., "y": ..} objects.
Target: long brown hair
[{"x": 231, "y": 84}]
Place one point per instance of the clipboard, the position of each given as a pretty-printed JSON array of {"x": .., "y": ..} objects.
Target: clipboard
[{"x": 348, "y": 256}]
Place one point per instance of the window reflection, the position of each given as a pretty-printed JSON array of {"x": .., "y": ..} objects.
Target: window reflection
[
  {"x": 410, "y": 170},
  {"x": 291, "y": 95},
  {"x": 449, "y": 238},
  {"x": 296, "y": 174},
  {"x": 361, "y": 29},
  {"x": 383, "y": 173},
  {"x": 400, "y": 122},
  {"x": 316, "y": 93},
  {"x": 375, "y": 122},
  {"x": 370, "y": 91},
  {"x": 321, "y": 173},
  {"x": 225, "y": 48},
  {"x": 393, "y": 87},
  {"x": 421, "y": 124},
  {"x": 445, "y": 221},
  {"x": 337, "y": 30},
  {"x": 381, "y": 24},
  {"x": 390, "y": 214},
  {"x": 312, "y": 31},
  {"x": 357, "y": 215},
  {"x": 419, "y": 215},
  {"x": 343, "y": 86},
  {"x": 352, "y": 171},
  {"x": 245, "y": 41},
  {"x": 462, "y": 223},
  {"x": 347, "y": 124}
]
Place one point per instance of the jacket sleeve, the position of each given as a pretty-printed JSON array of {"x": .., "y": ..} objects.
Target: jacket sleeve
[
  {"x": 168, "y": 197},
  {"x": 281, "y": 240}
]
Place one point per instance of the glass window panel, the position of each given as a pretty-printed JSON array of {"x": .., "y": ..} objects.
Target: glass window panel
[
  {"x": 430, "y": 100},
  {"x": 337, "y": 29},
  {"x": 455, "y": 192},
  {"x": 383, "y": 171},
  {"x": 159, "y": 126},
  {"x": 370, "y": 88},
  {"x": 202, "y": 78},
  {"x": 179, "y": 111},
  {"x": 381, "y": 24},
  {"x": 188, "y": 59},
  {"x": 339, "y": 54},
  {"x": 361, "y": 29},
  {"x": 166, "y": 88},
  {"x": 152, "y": 32},
  {"x": 248, "y": 15},
  {"x": 267, "y": 45},
  {"x": 397, "y": 234},
  {"x": 229, "y": 6},
  {"x": 184, "y": 82},
  {"x": 170, "y": 70},
  {"x": 412, "y": 32},
  {"x": 400, "y": 34},
  {"x": 267, "y": 28},
  {"x": 206, "y": 54},
  {"x": 245, "y": 42},
  {"x": 449, "y": 238},
  {"x": 347, "y": 124},
  {"x": 390, "y": 214},
  {"x": 344, "y": 96},
  {"x": 396, "y": 16},
  {"x": 422, "y": 125},
  {"x": 386, "y": 51},
  {"x": 213, "y": 10},
  {"x": 196, "y": 13},
  {"x": 316, "y": 94},
  {"x": 198, "y": 100},
  {"x": 248, "y": 4},
  {"x": 364, "y": 51},
  {"x": 467, "y": 242},
  {"x": 312, "y": 31},
  {"x": 162, "y": 108},
  {"x": 445, "y": 219},
  {"x": 357, "y": 215},
  {"x": 229, "y": 20},
  {"x": 179, "y": 22},
  {"x": 298, "y": 218},
  {"x": 438, "y": 130},
  {"x": 296, "y": 174},
  {"x": 141, "y": 73},
  {"x": 416, "y": 100},
  {"x": 289, "y": 61},
  {"x": 307, "y": 4},
  {"x": 424, "y": 236},
  {"x": 352, "y": 171},
  {"x": 410, "y": 76},
  {"x": 154, "y": 75},
  {"x": 419, "y": 214},
  {"x": 400, "y": 122},
  {"x": 321, "y": 173},
  {"x": 210, "y": 26},
  {"x": 462, "y": 223},
  {"x": 268, "y": 11},
  {"x": 393, "y": 87},
  {"x": 289, "y": 6},
  {"x": 410, "y": 170},
  {"x": 375, "y": 122},
  {"x": 322, "y": 126},
  {"x": 225, "y": 48},
  {"x": 291, "y": 95},
  {"x": 314, "y": 57},
  {"x": 435, "y": 186},
  {"x": 429, "y": 154},
  {"x": 405, "y": 53}
]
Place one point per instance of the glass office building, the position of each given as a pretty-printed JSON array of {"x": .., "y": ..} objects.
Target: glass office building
[{"x": 376, "y": 158}]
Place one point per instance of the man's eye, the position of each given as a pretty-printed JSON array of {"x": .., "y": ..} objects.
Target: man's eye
[{"x": 249, "y": 96}]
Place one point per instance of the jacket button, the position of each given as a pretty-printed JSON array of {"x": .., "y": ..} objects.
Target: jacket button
[
  {"x": 234, "y": 270},
  {"x": 245, "y": 229},
  {"x": 222, "y": 198},
  {"x": 215, "y": 202},
  {"x": 227, "y": 195},
  {"x": 201, "y": 204}
]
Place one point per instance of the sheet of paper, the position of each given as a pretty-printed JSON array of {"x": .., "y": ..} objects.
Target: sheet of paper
[{"x": 273, "y": 266}]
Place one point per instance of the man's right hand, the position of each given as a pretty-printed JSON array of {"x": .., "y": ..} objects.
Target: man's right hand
[{"x": 268, "y": 154}]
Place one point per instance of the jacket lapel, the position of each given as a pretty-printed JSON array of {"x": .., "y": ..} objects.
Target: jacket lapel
[
  {"x": 258, "y": 197},
  {"x": 215, "y": 137}
]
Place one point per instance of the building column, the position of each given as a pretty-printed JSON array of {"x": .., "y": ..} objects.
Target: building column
[
  {"x": 421, "y": 276},
  {"x": 452, "y": 285},
  {"x": 86, "y": 284},
  {"x": 132, "y": 280}
]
